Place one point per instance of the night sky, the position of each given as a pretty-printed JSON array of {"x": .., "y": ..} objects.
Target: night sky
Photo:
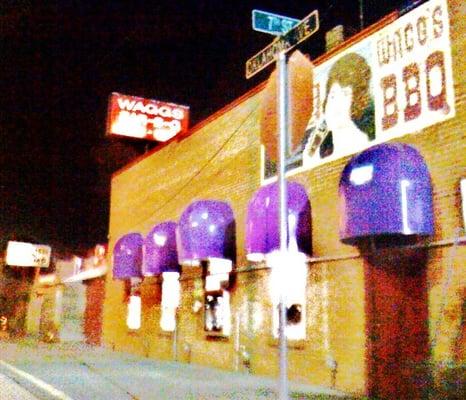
[{"x": 60, "y": 60}]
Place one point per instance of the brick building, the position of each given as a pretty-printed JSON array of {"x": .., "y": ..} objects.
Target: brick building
[{"x": 384, "y": 316}]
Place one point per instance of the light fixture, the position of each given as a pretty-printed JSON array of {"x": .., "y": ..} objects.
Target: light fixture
[
  {"x": 288, "y": 280},
  {"x": 127, "y": 263},
  {"x": 206, "y": 237},
  {"x": 161, "y": 258}
]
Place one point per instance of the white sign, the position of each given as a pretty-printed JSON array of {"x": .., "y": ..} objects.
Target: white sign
[
  {"x": 20, "y": 254},
  {"x": 392, "y": 83}
]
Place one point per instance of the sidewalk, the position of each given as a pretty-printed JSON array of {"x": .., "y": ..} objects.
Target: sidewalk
[
  {"x": 10, "y": 390},
  {"x": 86, "y": 372}
]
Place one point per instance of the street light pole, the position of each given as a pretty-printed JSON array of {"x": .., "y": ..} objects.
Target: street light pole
[{"x": 283, "y": 214}]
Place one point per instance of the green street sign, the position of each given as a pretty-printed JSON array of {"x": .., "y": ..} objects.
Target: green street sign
[
  {"x": 304, "y": 29},
  {"x": 274, "y": 24}
]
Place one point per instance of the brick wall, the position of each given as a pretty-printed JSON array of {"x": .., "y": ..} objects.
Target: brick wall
[
  {"x": 95, "y": 295},
  {"x": 221, "y": 160}
]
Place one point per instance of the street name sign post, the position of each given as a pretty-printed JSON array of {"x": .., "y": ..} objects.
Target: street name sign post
[
  {"x": 276, "y": 51},
  {"x": 274, "y": 24},
  {"x": 304, "y": 29}
]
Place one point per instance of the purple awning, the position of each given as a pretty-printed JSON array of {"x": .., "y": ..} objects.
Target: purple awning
[
  {"x": 385, "y": 190},
  {"x": 262, "y": 226},
  {"x": 160, "y": 250},
  {"x": 206, "y": 229},
  {"x": 127, "y": 256}
]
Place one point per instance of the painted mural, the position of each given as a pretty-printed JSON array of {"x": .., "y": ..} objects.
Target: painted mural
[{"x": 395, "y": 82}]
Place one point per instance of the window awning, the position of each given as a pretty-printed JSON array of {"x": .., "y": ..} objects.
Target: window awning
[
  {"x": 206, "y": 230},
  {"x": 385, "y": 190},
  {"x": 262, "y": 226},
  {"x": 127, "y": 256},
  {"x": 160, "y": 254}
]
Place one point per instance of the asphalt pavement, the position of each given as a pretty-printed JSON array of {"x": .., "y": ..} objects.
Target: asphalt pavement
[{"x": 32, "y": 370}]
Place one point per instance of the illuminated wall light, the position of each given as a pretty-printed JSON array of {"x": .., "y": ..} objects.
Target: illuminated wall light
[
  {"x": 404, "y": 184},
  {"x": 133, "y": 316},
  {"x": 463, "y": 200},
  {"x": 219, "y": 266},
  {"x": 133, "y": 319},
  {"x": 170, "y": 300},
  {"x": 211, "y": 283},
  {"x": 288, "y": 279}
]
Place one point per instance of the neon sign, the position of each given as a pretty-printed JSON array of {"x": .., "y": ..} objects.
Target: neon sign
[{"x": 145, "y": 119}]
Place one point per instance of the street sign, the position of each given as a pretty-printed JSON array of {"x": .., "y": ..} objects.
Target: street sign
[
  {"x": 307, "y": 27},
  {"x": 274, "y": 24}
]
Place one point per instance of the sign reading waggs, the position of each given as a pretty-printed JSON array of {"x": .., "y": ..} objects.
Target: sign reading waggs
[
  {"x": 141, "y": 118},
  {"x": 21, "y": 254},
  {"x": 394, "y": 82}
]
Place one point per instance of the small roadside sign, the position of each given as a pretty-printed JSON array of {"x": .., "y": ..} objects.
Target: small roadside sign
[
  {"x": 304, "y": 29},
  {"x": 274, "y": 24}
]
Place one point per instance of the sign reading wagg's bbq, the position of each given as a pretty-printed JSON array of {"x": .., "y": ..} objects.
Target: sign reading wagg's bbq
[
  {"x": 394, "y": 82},
  {"x": 141, "y": 118}
]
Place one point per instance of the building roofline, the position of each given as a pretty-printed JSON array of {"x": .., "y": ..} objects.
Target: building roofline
[{"x": 389, "y": 18}]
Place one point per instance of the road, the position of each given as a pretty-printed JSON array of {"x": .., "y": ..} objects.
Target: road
[{"x": 74, "y": 371}]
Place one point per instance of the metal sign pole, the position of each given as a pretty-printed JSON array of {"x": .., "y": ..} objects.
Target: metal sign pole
[
  {"x": 283, "y": 215},
  {"x": 276, "y": 51}
]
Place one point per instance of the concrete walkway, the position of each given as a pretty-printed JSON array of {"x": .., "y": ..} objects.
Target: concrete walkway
[
  {"x": 74, "y": 371},
  {"x": 10, "y": 390}
]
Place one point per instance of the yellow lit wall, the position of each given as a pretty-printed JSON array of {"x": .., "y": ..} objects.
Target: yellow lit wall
[{"x": 221, "y": 160}]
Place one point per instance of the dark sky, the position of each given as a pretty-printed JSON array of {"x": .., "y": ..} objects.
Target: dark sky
[{"x": 60, "y": 60}]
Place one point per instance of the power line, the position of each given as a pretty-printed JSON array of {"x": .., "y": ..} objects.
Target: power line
[{"x": 203, "y": 167}]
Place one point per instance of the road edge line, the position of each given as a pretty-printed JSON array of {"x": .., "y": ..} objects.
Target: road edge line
[{"x": 36, "y": 381}]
